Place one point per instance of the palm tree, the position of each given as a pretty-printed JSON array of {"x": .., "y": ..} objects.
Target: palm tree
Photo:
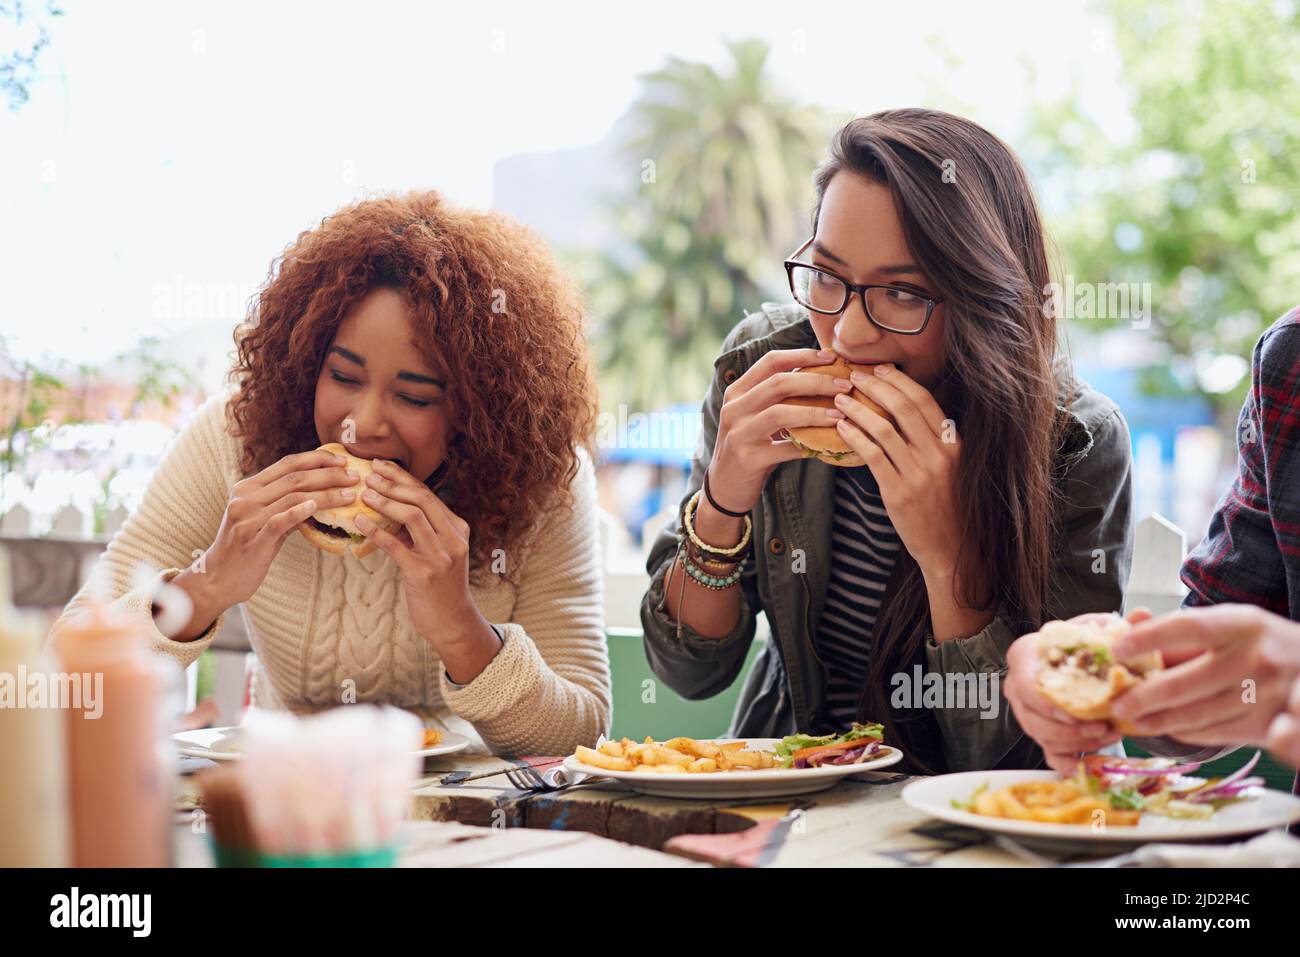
[
  {"x": 732, "y": 157},
  {"x": 664, "y": 316},
  {"x": 724, "y": 196}
]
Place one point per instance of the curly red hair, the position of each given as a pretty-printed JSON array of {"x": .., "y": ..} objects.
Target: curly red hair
[{"x": 489, "y": 306}]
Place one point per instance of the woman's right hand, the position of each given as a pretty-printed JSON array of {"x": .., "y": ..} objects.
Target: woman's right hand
[
  {"x": 1062, "y": 737},
  {"x": 753, "y": 414},
  {"x": 263, "y": 510}
]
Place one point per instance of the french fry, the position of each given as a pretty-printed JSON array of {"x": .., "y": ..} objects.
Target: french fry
[
  {"x": 669, "y": 755},
  {"x": 599, "y": 760},
  {"x": 705, "y": 749},
  {"x": 746, "y": 759},
  {"x": 1051, "y": 802},
  {"x": 675, "y": 756}
]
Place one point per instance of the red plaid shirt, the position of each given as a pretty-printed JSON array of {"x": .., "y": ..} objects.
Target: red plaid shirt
[{"x": 1251, "y": 554}]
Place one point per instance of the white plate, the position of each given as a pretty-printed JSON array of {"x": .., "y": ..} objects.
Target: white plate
[
  {"x": 777, "y": 782},
  {"x": 222, "y": 744},
  {"x": 1266, "y": 810}
]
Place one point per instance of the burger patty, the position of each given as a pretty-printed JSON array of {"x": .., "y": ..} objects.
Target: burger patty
[{"x": 328, "y": 529}]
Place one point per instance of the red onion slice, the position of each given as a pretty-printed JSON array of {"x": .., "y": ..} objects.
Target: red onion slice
[
  {"x": 1220, "y": 791},
  {"x": 1241, "y": 772}
]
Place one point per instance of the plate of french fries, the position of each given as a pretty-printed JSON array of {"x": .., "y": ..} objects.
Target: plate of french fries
[
  {"x": 1043, "y": 805},
  {"x": 714, "y": 768}
]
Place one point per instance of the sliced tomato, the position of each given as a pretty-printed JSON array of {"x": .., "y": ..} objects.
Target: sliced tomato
[{"x": 1092, "y": 764}]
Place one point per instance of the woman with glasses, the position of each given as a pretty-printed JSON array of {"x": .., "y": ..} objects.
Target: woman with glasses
[{"x": 995, "y": 495}]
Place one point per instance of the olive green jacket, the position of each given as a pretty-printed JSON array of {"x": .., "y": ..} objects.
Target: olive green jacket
[{"x": 784, "y": 691}]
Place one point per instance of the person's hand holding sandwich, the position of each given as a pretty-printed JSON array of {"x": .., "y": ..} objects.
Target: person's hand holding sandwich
[
  {"x": 1238, "y": 665},
  {"x": 1062, "y": 682},
  {"x": 347, "y": 505},
  {"x": 400, "y": 515},
  {"x": 1227, "y": 675}
]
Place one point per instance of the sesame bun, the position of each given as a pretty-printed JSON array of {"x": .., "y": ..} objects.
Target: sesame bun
[
  {"x": 1080, "y": 675},
  {"x": 349, "y": 538},
  {"x": 825, "y": 442}
]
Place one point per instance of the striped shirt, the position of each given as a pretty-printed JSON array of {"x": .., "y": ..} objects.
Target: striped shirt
[{"x": 864, "y": 547}]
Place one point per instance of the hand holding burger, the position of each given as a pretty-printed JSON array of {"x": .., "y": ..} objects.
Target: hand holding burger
[
  {"x": 1231, "y": 671},
  {"x": 334, "y": 529},
  {"x": 1062, "y": 735},
  {"x": 894, "y": 426},
  {"x": 826, "y": 442},
  {"x": 430, "y": 545},
  {"x": 262, "y": 512},
  {"x": 757, "y": 412},
  {"x": 1080, "y": 672}
]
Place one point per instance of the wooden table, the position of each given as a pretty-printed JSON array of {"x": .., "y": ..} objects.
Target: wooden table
[{"x": 465, "y": 813}]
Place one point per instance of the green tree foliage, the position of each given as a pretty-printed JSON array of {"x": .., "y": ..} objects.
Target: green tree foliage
[
  {"x": 20, "y": 49},
  {"x": 725, "y": 167},
  {"x": 1199, "y": 196}
]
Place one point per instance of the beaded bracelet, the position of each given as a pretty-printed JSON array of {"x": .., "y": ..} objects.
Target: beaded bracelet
[
  {"x": 715, "y": 582},
  {"x": 689, "y": 526},
  {"x": 705, "y": 562}
]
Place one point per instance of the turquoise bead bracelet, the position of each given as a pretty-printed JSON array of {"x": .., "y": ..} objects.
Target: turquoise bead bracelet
[{"x": 716, "y": 582}]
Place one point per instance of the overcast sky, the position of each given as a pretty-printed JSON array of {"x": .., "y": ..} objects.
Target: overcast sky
[{"x": 172, "y": 145}]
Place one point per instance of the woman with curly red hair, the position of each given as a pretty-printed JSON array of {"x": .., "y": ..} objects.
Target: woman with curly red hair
[{"x": 445, "y": 345}]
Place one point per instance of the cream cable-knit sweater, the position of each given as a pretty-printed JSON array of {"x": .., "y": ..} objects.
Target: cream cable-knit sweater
[{"x": 329, "y": 629}]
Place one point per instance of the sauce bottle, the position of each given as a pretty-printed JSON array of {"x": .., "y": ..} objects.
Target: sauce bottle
[
  {"x": 121, "y": 763},
  {"x": 33, "y": 792}
]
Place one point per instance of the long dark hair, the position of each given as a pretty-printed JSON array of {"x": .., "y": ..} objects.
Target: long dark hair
[{"x": 970, "y": 220}]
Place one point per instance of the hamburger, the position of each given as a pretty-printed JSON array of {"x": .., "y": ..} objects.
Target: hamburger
[
  {"x": 335, "y": 529},
  {"x": 825, "y": 442},
  {"x": 1079, "y": 674}
]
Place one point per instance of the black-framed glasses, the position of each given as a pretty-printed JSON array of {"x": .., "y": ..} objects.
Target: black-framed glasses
[{"x": 892, "y": 308}]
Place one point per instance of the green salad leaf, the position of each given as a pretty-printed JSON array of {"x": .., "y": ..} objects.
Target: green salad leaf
[
  {"x": 969, "y": 805},
  {"x": 797, "y": 742},
  {"x": 1126, "y": 798}
]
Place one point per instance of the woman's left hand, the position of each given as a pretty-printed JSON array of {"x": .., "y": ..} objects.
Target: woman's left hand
[
  {"x": 431, "y": 547},
  {"x": 915, "y": 463}
]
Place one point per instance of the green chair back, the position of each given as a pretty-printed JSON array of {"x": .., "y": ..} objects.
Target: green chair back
[{"x": 644, "y": 705}]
